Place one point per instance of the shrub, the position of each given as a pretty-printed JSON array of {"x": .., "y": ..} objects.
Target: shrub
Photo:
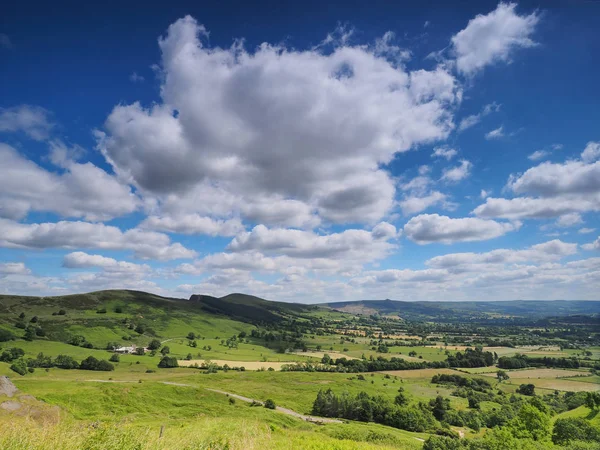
[
  {"x": 19, "y": 366},
  {"x": 62, "y": 312},
  {"x": 34, "y": 319},
  {"x": 526, "y": 389},
  {"x": 269, "y": 404},
  {"x": 101, "y": 311},
  {"x": 91, "y": 363},
  {"x": 11, "y": 354},
  {"x": 114, "y": 358},
  {"x": 165, "y": 350},
  {"x": 168, "y": 362},
  {"x": 6, "y": 335},
  {"x": 65, "y": 362},
  {"x": 231, "y": 401},
  {"x": 118, "y": 309}
]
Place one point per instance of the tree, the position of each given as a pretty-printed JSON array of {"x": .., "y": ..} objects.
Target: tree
[
  {"x": 326, "y": 359},
  {"x": 114, "y": 358},
  {"x": 526, "y": 389},
  {"x": 401, "y": 399},
  {"x": 168, "y": 362},
  {"x": 65, "y": 362},
  {"x": 34, "y": 319},
  {"x": 530, "y": 423},
  {"x": 91, "y": 363},
  {"x": 62, "y": 312},
  {"x": 140, "y": 351},
  {"x": 502, "y": 376},
  {"x": 592, "y": 400},
  {"x": 22, "y": 316},
  {"x": 165, "y": 350},
  {"x": 29, "y": 334},
  {"x": 6, "y": 335},
  {"x": 118, "y": 309},
  {"x": 442, "y": 443},
  {"x": 154, "y": 344},
  {"x": 270, "y": 404},
  {"x": 473, "y": 403},
  {"x": 191, "y": 336},
  {"x": 573, "y": 429}
]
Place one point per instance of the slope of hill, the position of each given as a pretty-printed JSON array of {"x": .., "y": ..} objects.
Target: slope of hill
[{"x": 453, "y": 311}]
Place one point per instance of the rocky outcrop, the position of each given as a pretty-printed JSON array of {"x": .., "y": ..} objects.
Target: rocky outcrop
[{"x": 7, "y": 387}]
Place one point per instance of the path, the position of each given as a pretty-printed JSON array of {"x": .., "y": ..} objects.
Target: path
[{"x": 289, "y": 412}]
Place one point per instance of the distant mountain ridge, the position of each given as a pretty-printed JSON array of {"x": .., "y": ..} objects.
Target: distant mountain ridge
[{"x": 449, "y": 310}]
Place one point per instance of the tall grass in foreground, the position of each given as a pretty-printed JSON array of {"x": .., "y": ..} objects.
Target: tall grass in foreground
[
  {"x": 212, "y": 434},
  {"x": 205, "y": 434}
]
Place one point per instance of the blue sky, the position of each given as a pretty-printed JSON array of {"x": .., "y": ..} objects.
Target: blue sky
[{"x": 301, "y": 153}]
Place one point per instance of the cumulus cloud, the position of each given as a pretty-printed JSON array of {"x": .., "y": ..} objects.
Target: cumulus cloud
[
  {"x": 13, "y": 268},
  {"x": 493, "y": 38},
  {"x": 83, "y": 190},
  {"x": 458, "y": 173},
  {"x": 591, "y": 152},
  {"x": 539, "y": 253},
  {"x": 549, "y": 190},
  {"x": 430, "y": 228},
  {"x": 327, "y": 122},
  {"x": 593, "y": 245},
  {"x": 34, "y": 121},
  {"x": 307, "y": 244},
  {"x": 416, "y": 204},
  {"x": 569, "y": 220},
  {"x": 72, "y": 235},
  {"x": 193, "y": 224},
  {"x": 79, "y": 260},
  {"x": 586, "y": 230}
]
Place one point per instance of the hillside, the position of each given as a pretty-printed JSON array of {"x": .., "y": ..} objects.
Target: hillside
[{"x": 457, "y": 311}]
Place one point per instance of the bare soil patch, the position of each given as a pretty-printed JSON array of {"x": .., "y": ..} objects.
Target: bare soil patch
[{"x": 7, "y": 387}]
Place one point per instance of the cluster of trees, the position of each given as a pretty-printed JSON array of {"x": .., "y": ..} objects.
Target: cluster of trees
[
  {"x": 522, "y": 361},
  {"x": 472, "y": 358},
  {"x": 366, "y": 408},
  {"x": 475, "y": 384},
  {"x": 22, "y": 366},
  {"x": 363, "y": 365}
]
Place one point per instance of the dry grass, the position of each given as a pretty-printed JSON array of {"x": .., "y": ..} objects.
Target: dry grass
[
  {"x": 558, "y": 384},
  {"x": 248, "y": 365},
  {"x": 529, "y": 374},
  {"x": 419, "y": 373}
]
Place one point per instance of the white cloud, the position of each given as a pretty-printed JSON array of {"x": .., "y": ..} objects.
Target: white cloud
[
  {"x": 72, "y": 235},
  {"x": 551, "y": 189},
  {"x": 444, "y": 152},
  {"x": 206, "y": 131},
  {"x": 569, "y": 220},
  {"x": 593, "y": 245},
  {"x": 484, "y": 194},
  {"x": 83, "y": 190},
  {"x": 591, "y": 152},
  {"x": 495, "y": 134},
  {"x": 34, "y": 121},
  {"x": 586, "y": 230},
  {"x": 352, "y": 244},
  {"x": 79, "y": 260},
  {"x": 13, "y": 268},
  {"x": 538, "y": 154},
  {"x": 429, "y": 228},
  {"x": 458, "y": 173},
  {"x": 474, "y": 119},
  {"x": 415, "y": 204},
  {"x": 193, "y": 224},
  {"x": 539, "y": 253},
  {"x": 492, "y": 38}
]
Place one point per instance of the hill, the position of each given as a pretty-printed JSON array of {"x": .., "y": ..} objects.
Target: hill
[{"x": 478, "y": 310}]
